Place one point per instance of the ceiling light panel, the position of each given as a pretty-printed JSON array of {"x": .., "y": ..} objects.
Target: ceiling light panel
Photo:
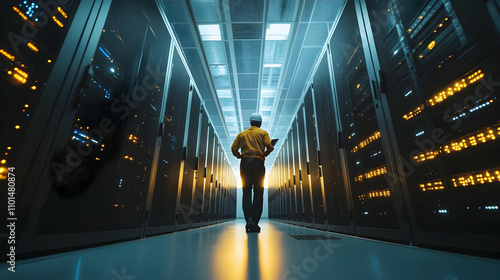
[
  {"x": 278, "y": 31},
  {"x": 224, "y": 93},
  {"x": 209, "y": 32}
]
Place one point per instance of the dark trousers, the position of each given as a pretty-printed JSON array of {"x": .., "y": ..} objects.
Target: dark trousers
[{"x": 252, "y": 173}]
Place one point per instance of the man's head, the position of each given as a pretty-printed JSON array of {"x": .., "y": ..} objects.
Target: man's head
[{"x": 256, "y": 120}]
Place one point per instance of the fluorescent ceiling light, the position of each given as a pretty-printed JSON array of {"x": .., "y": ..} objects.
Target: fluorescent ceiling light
[
  {"x": 272, "y": 65},
  {"x": 210, "y": 32},
  {"x": 268, "y": 93},
  {"x": 278, "y": 31},
  {"x": 224, "y": 93}
]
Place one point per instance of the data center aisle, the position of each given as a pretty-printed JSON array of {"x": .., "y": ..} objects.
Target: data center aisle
[{"x": 225, "y": 251}]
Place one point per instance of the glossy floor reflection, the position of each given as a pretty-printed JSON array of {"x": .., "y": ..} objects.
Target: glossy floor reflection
[{"x": 225, "y": 251}]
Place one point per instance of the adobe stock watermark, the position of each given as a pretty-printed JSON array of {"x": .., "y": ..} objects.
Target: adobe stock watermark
[
  {"x": 121, "y": 275},
  {"x": 310, "y": 264},
  {"x": 121, "y": 107}
]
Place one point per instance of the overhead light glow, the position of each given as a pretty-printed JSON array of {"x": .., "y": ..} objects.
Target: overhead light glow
[
  {"x": 278, "y": 32},
  {"x": 224, "y": 93},
  {"x": 210, "y": 32},
  {"x": 272, "y": 65}
]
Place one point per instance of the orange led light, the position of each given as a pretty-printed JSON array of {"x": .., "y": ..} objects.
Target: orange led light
[
  {"x": 9, "y": 148},
  {"x": 455, "y": 87},
  {"x": 33, "y": 87},
  {"x": 3, "y": 161},
  {"x": 32, "y": 47},
  {"x": 49, "y": 61},
  {"x": 17, "y": 126},
  {"x": 432, "y": 186},
  {"x": 366, "y": 141},
  {"x": 62, "y": 12},
  {"x": 371, "y": 174},
  {"x": 58, "y": 22},
  {"x": 414, "y": 112},
  {"x": 426, "y": 156},
  {"x": 8, "y": 55},
  {"x": 431, "y": 45},
  {"x": 476, "y": 178},
  {"x": 21, "y": 14}
]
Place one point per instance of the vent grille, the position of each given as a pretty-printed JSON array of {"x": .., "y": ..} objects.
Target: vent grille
[{"x": 314, "y": 237}]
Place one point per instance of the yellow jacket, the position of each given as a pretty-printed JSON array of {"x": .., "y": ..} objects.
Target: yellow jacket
[{"x": 252, "y": 143}]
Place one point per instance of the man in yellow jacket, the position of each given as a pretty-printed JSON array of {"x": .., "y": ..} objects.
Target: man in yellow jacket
[{"x": 252, "y": 143}]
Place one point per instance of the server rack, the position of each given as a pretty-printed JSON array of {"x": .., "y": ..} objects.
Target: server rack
[
  {"x": 185, "y": 196},
  {"x": 200, "y": 174},
  {"x": 409, "y": 102},
  {"x": 304, "y": 170},
  {"x": 101, "y": 125},
  {"x": 328, "y": 134},
  {"x": 443, "y": 97},
  {"x": 316, "y": 176}
]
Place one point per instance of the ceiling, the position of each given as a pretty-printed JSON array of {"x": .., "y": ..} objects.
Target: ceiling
[{"x": 251, "y": 56}]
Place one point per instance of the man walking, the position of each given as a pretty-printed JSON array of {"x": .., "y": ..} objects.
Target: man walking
[{"x": 252, "y": 143}]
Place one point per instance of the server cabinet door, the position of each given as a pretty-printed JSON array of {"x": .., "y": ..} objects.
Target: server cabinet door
[
  {"x": 35, "y": 56},
  {"x": 305, "y": 170},
  {"x": 297, "y": 174},
  {"x": 163, "y": 207},
  {"x": 215, "y": 169},
  {"x": 95, "y": 182},
  {"x": 335, "y": 191},
  {"x": 291, "y": 183},
  {"x": 209, "y": 175},
  {"x": 190, "y": 164},
  {"x": 198, "y": 196},
  {"x": 373, "y": 191},
  {"x": 316, "y": 186},
  {"x": 441, "y": 65}
]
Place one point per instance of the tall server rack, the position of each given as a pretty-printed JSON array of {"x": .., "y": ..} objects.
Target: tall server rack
[
  {"x": 407, "y": 97},
  {"x": 104, "y": 128}
]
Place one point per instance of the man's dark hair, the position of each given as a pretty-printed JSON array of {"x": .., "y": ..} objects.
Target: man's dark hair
[{"x": 255, "y": 123}]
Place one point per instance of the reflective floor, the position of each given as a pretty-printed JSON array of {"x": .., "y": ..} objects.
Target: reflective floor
[{"x": 225, "y": 251}]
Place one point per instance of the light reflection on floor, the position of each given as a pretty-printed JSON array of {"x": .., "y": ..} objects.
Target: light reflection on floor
[
  {"x": 239, "y": 255},
  {"x": 226, "y": 251}
]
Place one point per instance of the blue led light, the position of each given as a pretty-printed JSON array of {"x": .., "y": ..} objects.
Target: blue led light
[
  {"x": 420, "y": 133},
  {"x": 366, "y": 213},
  {"x": 443, "y": 211},
  {"x": 105, "y": 52},
  {"x": 408, "y": 93}
]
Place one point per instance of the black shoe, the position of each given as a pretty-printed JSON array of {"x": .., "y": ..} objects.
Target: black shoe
[{"x": 251, "y": 226}]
